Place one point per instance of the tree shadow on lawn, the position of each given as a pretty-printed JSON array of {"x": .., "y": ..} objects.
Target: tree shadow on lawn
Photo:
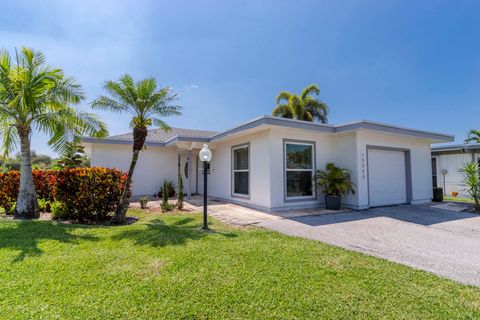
[
  {"x": 160, "y": 234},
  {"x": 25, "y": 236}
]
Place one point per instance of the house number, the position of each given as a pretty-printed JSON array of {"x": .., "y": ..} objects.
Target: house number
[{"x": 362, "y": 160}]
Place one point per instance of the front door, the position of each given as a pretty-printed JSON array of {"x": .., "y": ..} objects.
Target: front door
[{"x": 183, "y": 168}]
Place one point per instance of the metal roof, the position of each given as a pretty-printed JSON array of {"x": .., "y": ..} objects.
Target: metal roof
[{"x": 457, "y": 147}]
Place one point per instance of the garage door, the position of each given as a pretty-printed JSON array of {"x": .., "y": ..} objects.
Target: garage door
[{"x": 386, "y": 177}]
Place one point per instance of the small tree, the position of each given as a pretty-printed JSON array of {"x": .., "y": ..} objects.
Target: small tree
[
  {"x": 73, "y": 157},
  {"x": 180, "y": 193},
  {"x": 165, "y": 206},
  {"x": 471, "y": 182}
]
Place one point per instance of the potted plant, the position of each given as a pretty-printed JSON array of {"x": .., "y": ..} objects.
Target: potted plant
[{"x": 334, "y": 181}]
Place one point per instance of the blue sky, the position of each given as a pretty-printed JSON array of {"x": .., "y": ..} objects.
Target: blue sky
[{"x": 410, "y": 63}]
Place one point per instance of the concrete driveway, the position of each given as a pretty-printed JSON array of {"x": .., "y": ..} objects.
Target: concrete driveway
[{"x": 443, "y": 242}]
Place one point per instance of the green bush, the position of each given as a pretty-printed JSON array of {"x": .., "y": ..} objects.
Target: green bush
[
  {"x": 170, "y": 187},
  {"x": 44, "y": 205},
  {"x": 11, "y": 210},
  {"x": 59, "y": 210}
]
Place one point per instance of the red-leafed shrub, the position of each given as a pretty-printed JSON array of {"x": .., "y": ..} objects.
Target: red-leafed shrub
[
  {"x": 9, "y": 185},
  {"x": 87, "y": 193}
]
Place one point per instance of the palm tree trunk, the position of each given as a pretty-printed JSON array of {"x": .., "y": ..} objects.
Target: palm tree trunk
[
  {"x": 139, "y": 136},
  {"x": 122, "y": 206},
  {"x": 27, "y": 206}
]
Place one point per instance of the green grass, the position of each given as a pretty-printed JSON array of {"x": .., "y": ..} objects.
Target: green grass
[
  {"x": 458, "y": 199},
  {"x": 165, "y": 267}
]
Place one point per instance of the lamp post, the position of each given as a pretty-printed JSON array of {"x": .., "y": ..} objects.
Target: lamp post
[
  {"x": 444, "y": 173},
  {"x": 205, "y": 156}
]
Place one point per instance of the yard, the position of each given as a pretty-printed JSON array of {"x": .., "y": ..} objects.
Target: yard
[{"x": 163, "y": 266}]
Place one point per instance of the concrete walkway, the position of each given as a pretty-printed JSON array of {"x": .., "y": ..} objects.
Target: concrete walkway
[{"x": 236, "y": 215}]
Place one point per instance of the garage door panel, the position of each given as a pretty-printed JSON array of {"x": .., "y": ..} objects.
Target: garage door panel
[{"x": 386, "y": 174}]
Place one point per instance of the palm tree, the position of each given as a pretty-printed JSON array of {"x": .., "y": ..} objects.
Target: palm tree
[
  {"x": 301, "y": 107},
  {"x": 473, "y": 136},
  {"x": 34, "y": 96},
  {"x": 146, "y": 102}
]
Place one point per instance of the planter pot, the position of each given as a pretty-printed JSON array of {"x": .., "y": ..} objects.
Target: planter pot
[{"x": 333, "y": 202}]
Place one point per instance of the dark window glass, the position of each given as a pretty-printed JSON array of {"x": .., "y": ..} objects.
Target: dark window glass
[
  {"x": 299, "y": 183},
  {"x": 240, "y": 159},
  {"x": 299, "y": 156},
  {"x": 434, "y": 172},
  {"x": 240, "y": 171},
  {"x": 240, "y": 182}
]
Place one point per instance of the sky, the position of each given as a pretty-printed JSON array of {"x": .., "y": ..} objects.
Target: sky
[{"x": 409, "y": 63}]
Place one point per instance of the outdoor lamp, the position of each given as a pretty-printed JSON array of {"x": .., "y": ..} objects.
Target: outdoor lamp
[{"x": 205, "y": 156}]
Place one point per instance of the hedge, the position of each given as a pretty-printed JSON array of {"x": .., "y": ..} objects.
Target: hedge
[{"x": 87, "y": 193}]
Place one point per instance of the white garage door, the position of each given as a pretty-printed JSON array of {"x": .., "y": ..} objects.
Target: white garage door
[{"x": 386, "y": 177}]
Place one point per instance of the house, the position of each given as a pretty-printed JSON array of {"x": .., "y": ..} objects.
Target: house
[
  {"x": 268, "y": 163},
  {"x": 447, "y": 162}
]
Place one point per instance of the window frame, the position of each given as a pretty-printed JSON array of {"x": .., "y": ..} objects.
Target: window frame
[
  {"x": 233, "y": 171},
  {"x": 314, "y": 195}
]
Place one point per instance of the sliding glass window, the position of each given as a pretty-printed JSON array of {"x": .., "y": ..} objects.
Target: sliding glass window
[
  {"x": 241, "y": 170},
  {"x": 299, "y": 170}
]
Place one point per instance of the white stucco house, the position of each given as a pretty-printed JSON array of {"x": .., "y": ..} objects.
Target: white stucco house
[
  {"x": 268, "y": 163},
  {"x": 447, "y": 162}
]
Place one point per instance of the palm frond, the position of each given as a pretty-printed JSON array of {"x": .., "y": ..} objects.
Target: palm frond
[
  {"x": 106, "y": 103},
  {"x": 283, "y": 96},
  {"x": 311, "y": 89},
  {"x": 473, "y": 136}
]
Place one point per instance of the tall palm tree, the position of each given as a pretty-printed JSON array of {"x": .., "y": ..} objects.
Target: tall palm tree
[
  {"x": 301, "y": 107},
  {"x": 473, "y": 136},
  {"x": 145, "y": 101},
  {"x": 34, "y": 96}
]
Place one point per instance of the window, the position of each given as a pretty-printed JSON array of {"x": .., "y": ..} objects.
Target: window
[
  {"x": 241, "y": 170},
  {"x": 434, "y": 172},
  {"x": 299, "y": 170}
]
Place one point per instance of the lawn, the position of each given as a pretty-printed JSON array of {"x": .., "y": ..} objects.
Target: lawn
[
  {"x": 458, "y": 199},
  {"x": 164, "y": 266}
]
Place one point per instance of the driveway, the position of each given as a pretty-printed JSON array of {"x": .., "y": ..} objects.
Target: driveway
[{"x": 443, "y": 242}]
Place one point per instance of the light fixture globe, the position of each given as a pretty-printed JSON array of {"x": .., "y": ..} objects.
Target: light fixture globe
[{"x": 205, "y": 154}]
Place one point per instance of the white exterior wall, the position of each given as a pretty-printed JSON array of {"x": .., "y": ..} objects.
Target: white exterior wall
[
  {"x": 453, "y": 163},
  {"x": 323, "y": 155},
  {"x": 220, "y": 178},
  {"x": 421, "y": 169},
  {"x": 155, "y": 164}
]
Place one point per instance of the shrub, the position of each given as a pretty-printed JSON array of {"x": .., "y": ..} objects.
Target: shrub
[
  {"x": 87, "y": 193},
  {"x": 59, "y": 210},
  {"x": 438, "y": 194},
  {"x": 169, "y": 186},
  {"x": 454, "y": 194},
  {"x": 44, "y": 205},
  {"x": 165, "y": 205},
  {"x": 9, "y": 185},
  {"x": 143, "y": 202},
  {"x": 471, "y": 173}
]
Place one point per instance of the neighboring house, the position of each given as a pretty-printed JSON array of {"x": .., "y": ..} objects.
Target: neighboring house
[
  {"x": 449, "y": 160},
  {"x": 268, "y": 163}
]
